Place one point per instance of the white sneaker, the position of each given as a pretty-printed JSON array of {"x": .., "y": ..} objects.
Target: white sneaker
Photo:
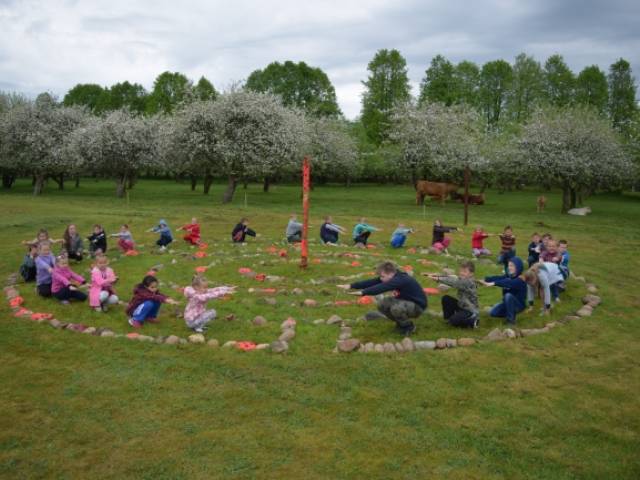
[{"x": 198, "y": 330}]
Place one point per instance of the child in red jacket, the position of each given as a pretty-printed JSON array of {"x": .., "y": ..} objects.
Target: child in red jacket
[
  {"x": 193, "y": 232},
  {"x": 477, "y": 239}
]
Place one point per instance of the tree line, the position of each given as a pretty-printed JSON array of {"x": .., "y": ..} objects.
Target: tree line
[{"x": 512, "y": 125}]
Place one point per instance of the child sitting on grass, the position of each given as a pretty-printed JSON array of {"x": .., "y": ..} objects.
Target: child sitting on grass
[
  {"x": 408, "y": 302},
  {"x": 514, "y": 291},
  {"x": 101, "y": 293},
  {"x": 507, "y": 247},
  {"x": 72, "y": 243},
  {"x": 166, "y": 237},
  {"x": 145, "y": 304},
  {"x": 66, "y": 282},
  {"x": 28, "y": 268},
  {"x": 293, "y": 232},
  {"x": 464, "y": 310},
  {"x": 564, "y": 258},
  {"x": 362, "y": 231},
  {"x": 45, "y": 262},
  {"x": 399, "y": 235},
  {"x": 534, "y": 249},
  {"x": 125, "y": 239},
  {"x": 330, "y": 232},
  {"x": 192, "y": 230},
  {"x": 97, "y": 241},
  {"x": 41, "y": 237},
  {"x": 439, "y": 242},
  {"x": 196, "y": 316},
  {"x": 241, "y": 230},
  {"x": 547, "y": 276},
  {"x": 477, "y": 245}
]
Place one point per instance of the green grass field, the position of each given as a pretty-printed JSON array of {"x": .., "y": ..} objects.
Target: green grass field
[{"x": 560, "y": 405}]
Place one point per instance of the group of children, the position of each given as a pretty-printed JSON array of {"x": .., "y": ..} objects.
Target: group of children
[{"x": 548, "y": 262}]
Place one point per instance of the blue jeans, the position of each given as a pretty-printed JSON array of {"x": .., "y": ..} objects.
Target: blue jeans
[
  {"x": 508, "y": 308},
  {"x": 504, "y": 258},
  {"x": 398, "y": 241},
  {"x": 163, "y": 241},
  {"x": 148, "y": 309}
]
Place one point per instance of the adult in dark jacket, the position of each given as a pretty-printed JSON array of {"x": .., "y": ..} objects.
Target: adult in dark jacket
[
  {"x": 241, "y": 230},
  {"x": 408, "y": 302},
  {"x": 514, "y": 291}
]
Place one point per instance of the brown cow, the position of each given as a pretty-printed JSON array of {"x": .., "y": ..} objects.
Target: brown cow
[
  {"x": 473, "y": 199},
  {"x": 435, "y": 190}
]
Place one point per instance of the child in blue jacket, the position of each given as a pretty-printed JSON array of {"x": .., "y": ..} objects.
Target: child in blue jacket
[
  {"x": 514, "y": 291},
  {"x": 166, "y": 237}
]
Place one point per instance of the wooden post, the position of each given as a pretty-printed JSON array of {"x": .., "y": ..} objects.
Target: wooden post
[
  {"x": 467, "y": 174},
  {"x": 306, "y": 181}
]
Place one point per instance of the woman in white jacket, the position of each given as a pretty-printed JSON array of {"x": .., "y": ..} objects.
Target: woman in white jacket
[{"x": 547, "y": 277}]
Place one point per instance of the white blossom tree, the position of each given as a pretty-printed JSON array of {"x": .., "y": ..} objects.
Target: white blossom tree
[
  {"x": 257, "y": 137},
  {"x": 118, "y": 145},
  {"x": 574, "y": 149},
  {"x": 33, "y": 140},
  {"x": 438, "y": 142},
  {"x": 333, "y": 151}
]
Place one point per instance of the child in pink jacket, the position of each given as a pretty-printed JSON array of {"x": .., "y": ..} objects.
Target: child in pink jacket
[
  {"x": 65, "y": 282},
  {"x": 196, "y": 316},
  {"x": 101, "y": 293}
]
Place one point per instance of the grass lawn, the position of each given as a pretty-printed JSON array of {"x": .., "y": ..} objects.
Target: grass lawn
[{"x": 560, "y": 405}]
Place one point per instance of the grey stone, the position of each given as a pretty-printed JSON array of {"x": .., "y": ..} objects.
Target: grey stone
[
  {"x": 319, "y": 321},
  {"x": 441, "y": 343},
  {"x": 451, "y": 342},
  {"x": 270, "y": 301},
  {"x": 55, "y": 323},
  {"x": 378, "y": 348},
  {"x": 407, "y": 344},
  {"x": 229, "y": 344},
  {"x": 262, "y": 346},
  {"x": 172, "y": 340},
  {"x": 90, "y": 330},
  {"x": 368, "y": 347},
  {"x": 528, "y": 332},
  {"x": 196, "y": 338},
  {"x": 494, "y": 335},
  {"x": 509, "y": 333},
  {"x": 279, "y": 346},
  {"x": 585, "y": 311},
  {"x": 570, "y": 318},
  {"x": 591, "y": 288},
  {"x": 344, "y": 336},
  {"x": 389, "y": 348},
  {"x": 287, "y": 335},
  {"x": 259, "y": 321},
  {"x": 333, "y": 319},
  {"x": 591, "y": 300},
  {"x": 425, "y": 345},
  {"x": 466, "y": 342},
  {"x": 107, "y": 333},
  {"x": 213, "y": 343},
  {"x": 349, "y": 345},
  {"x": 399, "y": 348}
]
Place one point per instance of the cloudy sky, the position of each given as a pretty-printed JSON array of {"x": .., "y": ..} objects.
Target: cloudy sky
[{"x": 51, "y": 45}]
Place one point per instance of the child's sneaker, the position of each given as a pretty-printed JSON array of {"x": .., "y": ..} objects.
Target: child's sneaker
[
  {"x": 198, "y": 330},
  {"x": 64, "y": 302},
  {"x": 408, "y": 330},
  {"x": 104, "y": 307},
  {"x": 135, "y": 323},
  {"x": 475, "y": 320},
  {"x": 98, "y": 309}
]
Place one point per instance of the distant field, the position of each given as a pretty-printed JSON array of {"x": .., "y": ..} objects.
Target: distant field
[{"x": 559, "y": 405}]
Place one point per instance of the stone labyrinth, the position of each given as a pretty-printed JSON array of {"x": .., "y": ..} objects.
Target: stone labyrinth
[{"x": 271, "y": 289}]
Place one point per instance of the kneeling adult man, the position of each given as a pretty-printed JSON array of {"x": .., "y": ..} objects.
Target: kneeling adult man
[{"x": 408, "y": 301}]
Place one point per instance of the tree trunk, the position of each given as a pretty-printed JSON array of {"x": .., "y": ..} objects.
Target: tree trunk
[
  {"x": 245, "y": 184},
  {"x": 348, "y": 182},
  {"x": 573, "y": 198},
  {"x": 77, "y": 181},
  {"x": 7, "y": 180},
  {"x": 61, "y": 182},
  {"x": 414, "y": 179},
  {"x": 266, "y": 184},
  {"x": 194, "y": 183},
  {"x": 208, "y": 180},
  {"x": 131, "y": 182},
  {"x": 38, "y": 184},
  {"x": 33, "y": 180},
  {"x": 566, "y": 199},
  {"x": 227, "y": 196},
  {"x": 121, "y": 186}
]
